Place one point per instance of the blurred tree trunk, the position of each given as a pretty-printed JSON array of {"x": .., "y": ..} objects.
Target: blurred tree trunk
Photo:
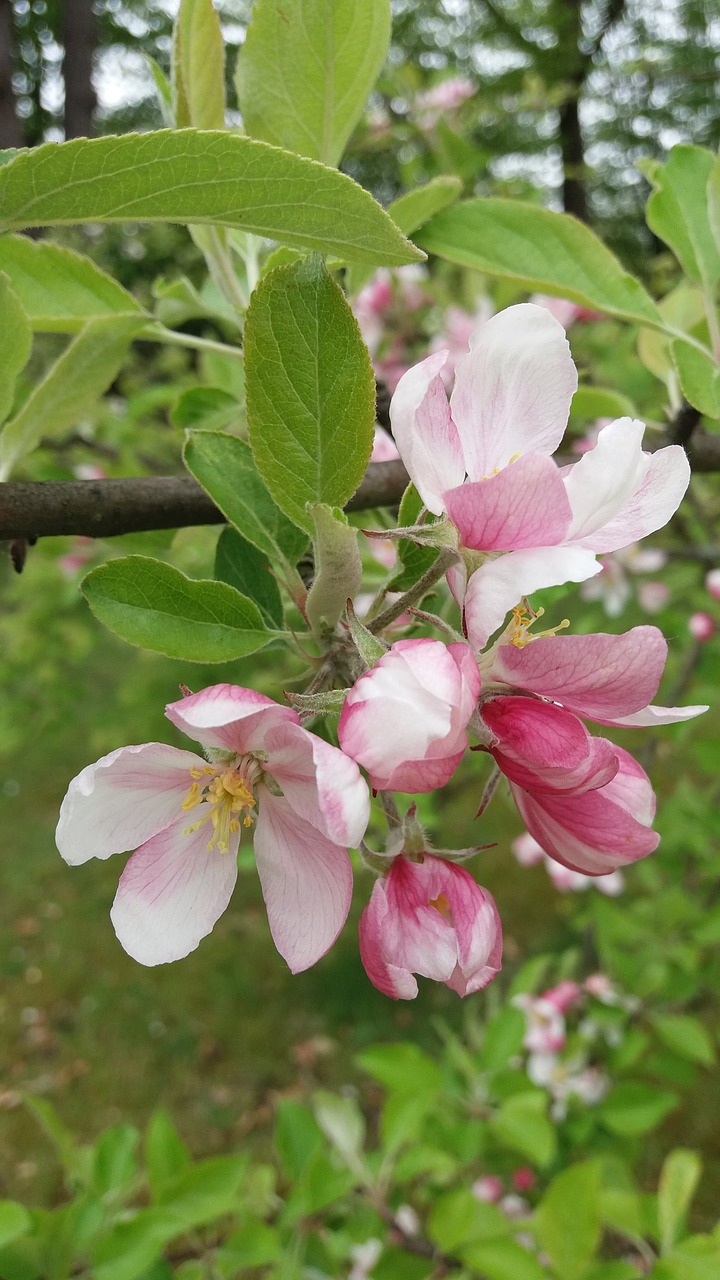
[
  {"x": 11, "y": 131},
  {"x": 79, "y": 37}
]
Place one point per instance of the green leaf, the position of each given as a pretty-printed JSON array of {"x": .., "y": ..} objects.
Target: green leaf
[
  {"x": 163, "y": 88},
  {"x": 686, "y": 1036},
  {"x": 17, "y": 343},
  {"x": 521, "y": 1123},
  {"x": 402, "y": 1067},
  {"x": 343, "y": 1124},
  {"x": 115, "y": 1160},
  {"x": 414, "y": 560},
  {"x": 633, "y": 1108},
  {"x": 699, "y": 377},
  {"x": 206, "y": 409},
  {"x": 601, "y": 402},
  {"x": 503, "y": 1037},
  {"x": 310, "y": 390},
  {"x": 243, "y": 567},
  {"x": 713, "y": 199},
  {"x": 60, "y": 289},
  {"x": 410, "y": 211},
  {"x": 567, "y": 1222},
  {"x": 298, "y": 1137},
  {"x": 305, "y": 71},
  {"x": 254, "y": 1244},
  {"x": 679, "y": 1178},
  {"x": 70, "y": 386},
  {"x": 200, "y": 176},
  {"x": 503, "y": 1260},
  {"x": 677, "y": 211},
  {"x": 154, "y": 606},
  {"x": 198, "y": 67},
  {"x": 165, "y": 1152},
  {"x": 458, "y": 1217},
  {"x": 224, "y": 466},
  {"x": 541, "y": 250},
  {"x": 14, "y": 1221}
]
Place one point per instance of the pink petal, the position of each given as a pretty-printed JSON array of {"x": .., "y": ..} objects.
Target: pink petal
[
  {"x": 123, "y": 799},
  {"x": 425, "y": 433},
  {"x": 393, "y": 980},
  {"x": 306, "y": 882},
  {"x": 498, "y": 586},
  {"x": 171, "y": 893},
  {"x": 524, "y": 505},
  {"x": 599, "y": 676},
  {"x": 656, "y": 715},
  {"x": 648, "y": 489},
  {"x": 416, "y": 935},
  {"x": 542, "y": 747},
  {"x": 513, "y": 390},
  {"x": 229, "y": 717},
  {"x": 322, "y": 784}
]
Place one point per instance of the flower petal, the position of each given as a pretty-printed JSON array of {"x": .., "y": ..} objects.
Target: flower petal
[
  {"x": 496, "y": 587},
  {"x": 652, "y": 715},
  {"x": 123, "y": 799},
  {"x": 513, "y": 390},
  {"x": 322, "y": 784},
  {"x": 620, "y": 494},
  {"x": 599, "y": 676},
  {"x": 306, "y": 882},
  {"x": 542, "y": 747},
  {"x": 425, "y": 433},
  {"x": 524, "y": 505},
  {"x": 171, "y": 893},
  {"x": 391, "y": 979},
  {"x": 229, "y": 717}
]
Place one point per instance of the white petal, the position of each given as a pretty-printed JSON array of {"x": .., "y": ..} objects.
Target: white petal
[
  {"x": 229, "y": 717},
  {"x": 425, "y": 433},
  {"x": 512, "y": 392},
  {"x": 602, "y": 482},
  {"x": 322, "y": 784},
  {"x": 171, "y": 893},
  {"x": 123, "y": 799},
  {"x": 497, "y": 586},
  {"x": 306, "y": 882},
  {"x": 653, "y": 715}
]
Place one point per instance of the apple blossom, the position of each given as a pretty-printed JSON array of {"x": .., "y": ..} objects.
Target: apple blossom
[
  {"x": 587, "y": 802},
  {"x": 528, "y": 852},
  {"x": 712, "y": 583},
  {"x": 484, "y": 459},
  {"x": 701, "y": 627},
  {"x": 405, "y": 719},
  {"x": 428, "y": 916},
  {"x": 183, "y": 814}
]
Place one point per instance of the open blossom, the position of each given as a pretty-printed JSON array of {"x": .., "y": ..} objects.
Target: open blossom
[
  {"x": 545, "y": 1030},
  {"x": 405, "y": 719},
  {"x": 528, "y": 852},
  {"x": 484, "y": 460},
  {"x": 429, "y": 917},
  {"x": 184, "y": 814},
  {"x": 586, "y": 802}
]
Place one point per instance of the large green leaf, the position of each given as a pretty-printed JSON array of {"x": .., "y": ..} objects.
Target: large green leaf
[
  {"x": 677, "y": 211},
  {"x": 632, "y": 1107},
  {"x": 699, "y": 377},
  {"x": 225, "y": 468},
  {"x": 310, "y": 390},
  {"x": 306, "y": 69},
  {"x": 200, "y": 176},
  {"x": 17, "y": 343},
  {"x": 59, "y": 289},
  {"x": 568, "y": 1219},
  {"x": 70, "y": 386},
  {"x": 541, "y": 250},
  {"x": 198, "y": 67},
  {"x": 153, "y": 605},
  {"x": 521, "y": 1123},
  {"x": 243, "y": 567}
]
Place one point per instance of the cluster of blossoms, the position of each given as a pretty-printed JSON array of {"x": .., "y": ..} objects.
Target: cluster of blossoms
[
  {"x": 510, "y": 521},
  {"x": 560, "y": 1056}
]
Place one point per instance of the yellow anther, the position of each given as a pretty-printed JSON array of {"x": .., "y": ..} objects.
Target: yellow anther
[
  {"x": 442, "y": 905},
  {"x": 226, "y": 795},
  {"x": 523, "y": 618}
]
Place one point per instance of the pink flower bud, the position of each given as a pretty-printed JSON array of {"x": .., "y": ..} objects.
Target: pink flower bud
[{"x": 701, "y": 626}]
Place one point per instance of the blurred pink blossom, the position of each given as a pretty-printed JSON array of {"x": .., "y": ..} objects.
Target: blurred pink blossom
[
  {"x": 488, "y": 1188},
  {"x": 701, "y": 626},
  {"x": 446, "y": 96},
  {"x": 712, "y": 583}
]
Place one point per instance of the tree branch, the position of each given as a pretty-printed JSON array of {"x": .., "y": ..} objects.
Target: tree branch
[{"x": 106, "y": 508}]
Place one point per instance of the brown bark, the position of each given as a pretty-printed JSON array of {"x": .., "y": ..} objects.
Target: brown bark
[{"x": 80, "y": 37}]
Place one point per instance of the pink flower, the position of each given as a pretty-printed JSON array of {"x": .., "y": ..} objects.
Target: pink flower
[
  {"x": 489, "y": 1188},
  {"x": 484, "y": 459},
  {"x": 405, "y": 720},
  {"x": 384, "y": 447},
  {"x": 587, "y": 802},
  {"x": 523, "y": 1179},
  {"x": 701, "y": 626},
  {"x": 446, "y": 96},
  {"x": 564, "y": 996},
  {"x": 431, "y": 918},
  {"x": 544, "y": 1024},
  {"x": 712, "y": 583},
  {"x": 183, "y": 814}
]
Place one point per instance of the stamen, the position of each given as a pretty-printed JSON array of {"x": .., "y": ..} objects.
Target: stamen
[
  {"x": 226, "y": 796},
  {"x": 524, "y": 617},
  {"x": 442, "y": 905}
]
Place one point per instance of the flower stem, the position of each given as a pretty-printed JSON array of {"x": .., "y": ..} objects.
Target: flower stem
[{"x": 415, "y": 594}]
